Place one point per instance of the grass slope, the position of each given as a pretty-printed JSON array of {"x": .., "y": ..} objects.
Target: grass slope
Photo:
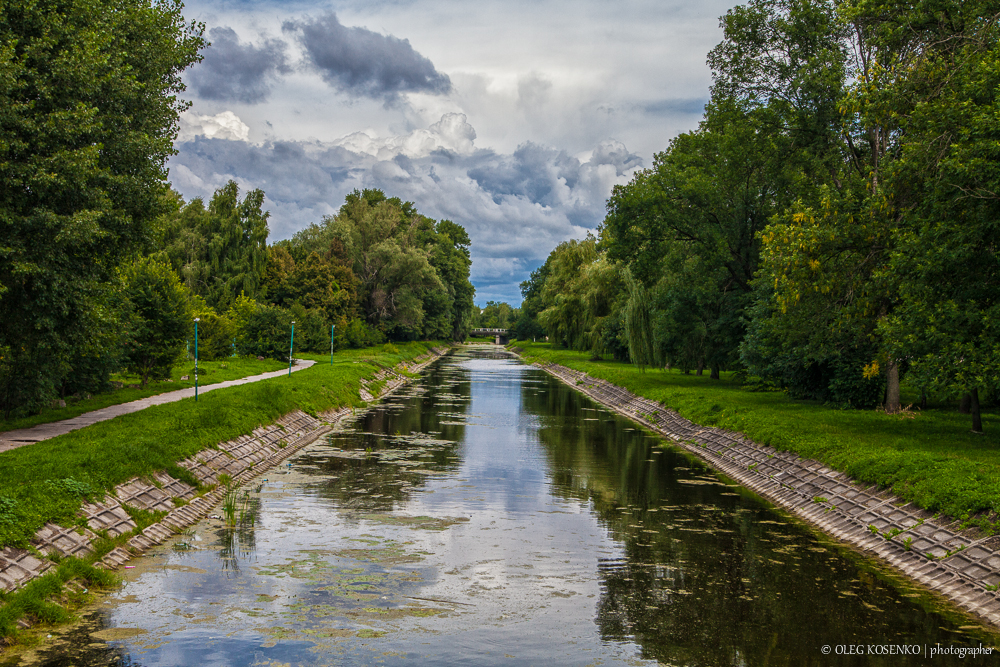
[
  {"x": 210, "y": 372},
  {"x": 48, "y": 480},
  {"x": 931, "y": 459}
]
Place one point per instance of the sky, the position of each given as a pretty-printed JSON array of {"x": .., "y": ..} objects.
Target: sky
[{"x": 514, "y": 119}]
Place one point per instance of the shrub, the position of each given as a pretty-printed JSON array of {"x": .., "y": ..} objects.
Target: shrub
[
  {"x": 215, "y": 336},
  {"x": 158, "y": 317},
  {"x": 266, "y": 333}
]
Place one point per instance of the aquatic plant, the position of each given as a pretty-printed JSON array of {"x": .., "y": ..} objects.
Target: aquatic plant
[{"x": 237, "y": 510}]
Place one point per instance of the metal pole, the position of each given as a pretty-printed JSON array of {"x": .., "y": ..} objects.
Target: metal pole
[
  {"x": 196, "y": 359},
  {"x": 291, "y": 346},
  {"x": 332, "y": 327}
]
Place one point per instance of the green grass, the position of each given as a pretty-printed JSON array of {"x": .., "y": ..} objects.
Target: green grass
[
  {"x": 931, "y": 459},
  {"x": 210, "y": 372},
  {"x": 45, "y": 600},
  {"x": 47, "y": 481}
]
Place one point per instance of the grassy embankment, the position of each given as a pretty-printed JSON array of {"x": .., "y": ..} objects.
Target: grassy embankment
[
  {"x": 210, "y": 372},
  {"x": 930, "y": 458},
  {"x": 48, "y": 481}
]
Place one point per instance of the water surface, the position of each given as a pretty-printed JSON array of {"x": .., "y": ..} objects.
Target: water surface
[{"x": 488, "y": 514}]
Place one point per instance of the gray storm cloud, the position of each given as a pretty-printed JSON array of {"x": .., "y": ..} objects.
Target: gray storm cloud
[
  {"x": 234, "y": 71},
  {"x": 364, "y": 63}
]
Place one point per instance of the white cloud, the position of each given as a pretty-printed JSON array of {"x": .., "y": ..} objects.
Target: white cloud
[
  {"x": 522, "y": 146},
  {"x": 516, "y": 207},
  {"x": 452, "y": 133},
  {"x": 225, "y": 125}
]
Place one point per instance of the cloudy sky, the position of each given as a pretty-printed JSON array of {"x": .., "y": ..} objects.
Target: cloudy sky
[{"x": 514, "y": 118}]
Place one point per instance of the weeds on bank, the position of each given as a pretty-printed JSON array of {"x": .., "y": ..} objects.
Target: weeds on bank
[
  {"x": 45, "y": 600},
  {"x": 237, "y": 508},
  {"x": 932, "y": 461}
]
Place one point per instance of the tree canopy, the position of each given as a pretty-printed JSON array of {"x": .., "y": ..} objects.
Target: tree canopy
[{"x": 88, "y": 112}]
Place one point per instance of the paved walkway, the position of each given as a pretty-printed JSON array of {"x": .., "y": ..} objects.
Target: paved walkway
[{"x": 27, "y": 436}]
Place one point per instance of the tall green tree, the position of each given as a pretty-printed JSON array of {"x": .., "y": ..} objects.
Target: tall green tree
[
  {"x": 687, "y": 229},
  {"x": 221, "y": 251},
  {"x": 943, "y": 181},
  {"x": 88, "y": 112}
]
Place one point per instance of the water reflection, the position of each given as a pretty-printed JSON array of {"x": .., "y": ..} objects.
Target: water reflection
[
  {"x": 489, "y": 514},
  {"x": 711, "y": 576}
]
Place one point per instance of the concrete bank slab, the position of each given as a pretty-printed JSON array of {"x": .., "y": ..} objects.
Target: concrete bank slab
[
  {"x": 963, "y": 568},
  {"x": 242, "y": 459},
  {"x": 27, "y": 436}
]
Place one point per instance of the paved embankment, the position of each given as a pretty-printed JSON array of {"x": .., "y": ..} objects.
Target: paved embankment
[
  {"x": 957, "y": 564},
  {"x": 27, "y": 436},
  {"x": 241, "y": 459}
]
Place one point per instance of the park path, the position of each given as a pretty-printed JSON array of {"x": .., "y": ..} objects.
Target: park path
[{"x": 27, "y": 436}]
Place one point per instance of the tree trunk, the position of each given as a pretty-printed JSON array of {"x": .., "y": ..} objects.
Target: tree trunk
[
  {"x": 892, "y": 388},
  {"x": 923, "y": 399},
  {"x": 977, "y": 421},
  {"x": 715, "y": 371},
  {"x": 965, "y": 405},
  {"x": 701, "y": 368}
]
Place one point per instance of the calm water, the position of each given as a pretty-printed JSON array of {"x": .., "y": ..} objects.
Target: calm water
[{"x": 490, "y": 515}]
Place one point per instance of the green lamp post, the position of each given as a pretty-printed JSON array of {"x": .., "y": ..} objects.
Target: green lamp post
[
  {"x": 196, "y": 359},
  {"x": 291, "y": 348},
  {"x": 332, "y": 327}
]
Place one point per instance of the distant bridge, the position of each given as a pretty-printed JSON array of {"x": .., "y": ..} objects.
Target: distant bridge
[{"x": 500, "y": 336}]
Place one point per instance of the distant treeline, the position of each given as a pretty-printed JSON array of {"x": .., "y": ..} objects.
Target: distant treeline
[
  {"x": 832, "y": 224},
  {"x": 376, "y": 271}
]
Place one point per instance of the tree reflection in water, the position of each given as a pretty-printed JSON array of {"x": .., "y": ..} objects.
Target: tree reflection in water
[{"x": 711, "y": 575}]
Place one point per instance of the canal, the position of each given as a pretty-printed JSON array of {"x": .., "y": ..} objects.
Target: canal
[{"x": 487, "y": 514}]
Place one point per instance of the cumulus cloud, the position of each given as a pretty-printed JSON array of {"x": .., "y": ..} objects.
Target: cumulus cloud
[
  {"x": 234, "y": 71},
  {"x": 225, "y": 125},
  {"x": 516, "y": 207},
  {"x": 451, "y": 134},
  {"x": 365, "y": 63},
  {"x": 551, "y": 178}
]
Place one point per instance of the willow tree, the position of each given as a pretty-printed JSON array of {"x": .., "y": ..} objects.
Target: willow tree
[
  {"x": 220, "y": 251},
  {"x": 637, "y": 319}
]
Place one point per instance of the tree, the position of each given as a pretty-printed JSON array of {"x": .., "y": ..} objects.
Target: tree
[
  {"x": 158, "y": 318},
  {"x": 564, "y": 315},
  {"x": 216, "y": 333},
  {"x": 220, "y": 251},
  {"x": 944, "y": 181},
  {"x": 527, "y": 326},
  {"x": 687, "y": 229},
  {"x": 451, "y": 259},
  {"x": 264, "y": 331},
  {"x": 88, "y": 112},
  {"x": 393, "y": 268},
  {"x": 495, "y": 315},
  {"x": 315, "y": 283}
]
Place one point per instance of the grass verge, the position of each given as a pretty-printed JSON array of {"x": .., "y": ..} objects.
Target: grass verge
[
  {"x": 46, "y": 600},
  {"x": 49, "y": 480},
  {"x": 210, "y": 372},
  {"x": 930, "y": 458}
]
